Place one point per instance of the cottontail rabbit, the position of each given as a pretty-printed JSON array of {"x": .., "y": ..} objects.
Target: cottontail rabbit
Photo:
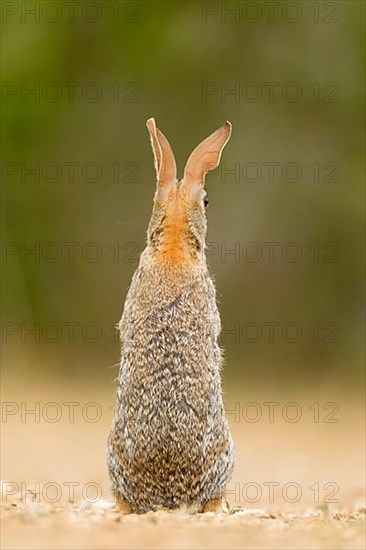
[{"x": 170, "y": 443}]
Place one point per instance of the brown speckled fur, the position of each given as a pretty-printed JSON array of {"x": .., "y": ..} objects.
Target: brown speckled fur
[{"x": 170, "y": 443}]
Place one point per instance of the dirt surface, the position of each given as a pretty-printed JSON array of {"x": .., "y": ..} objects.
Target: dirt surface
[
  {"x": 297, "y": 484},
  {"x": 39, "y": 526}
]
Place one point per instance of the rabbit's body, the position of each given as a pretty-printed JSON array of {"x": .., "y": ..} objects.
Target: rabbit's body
[{"x": 170, "y": 443}]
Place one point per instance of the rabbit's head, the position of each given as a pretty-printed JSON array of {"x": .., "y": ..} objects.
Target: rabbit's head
[{"x": 178, "y": 225}]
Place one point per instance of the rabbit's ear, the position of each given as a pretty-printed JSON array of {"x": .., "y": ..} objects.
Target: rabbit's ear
[
  {"x": 206, "y": 156},
  {"x": 165, "y": 166}
]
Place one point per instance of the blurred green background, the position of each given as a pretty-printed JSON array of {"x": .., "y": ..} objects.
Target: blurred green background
[{"x": 97, "y": 74}]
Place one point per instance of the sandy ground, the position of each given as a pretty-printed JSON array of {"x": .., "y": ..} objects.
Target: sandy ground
[
  {"x": 297, "y": 484},
  {"x": 60, "y": 529}
]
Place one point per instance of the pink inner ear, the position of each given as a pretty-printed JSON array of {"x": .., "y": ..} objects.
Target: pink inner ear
[
  {"x": 206, "y": 156},
  {"x": 168, "y": 171},
  {"x": 164, "y": 158}
]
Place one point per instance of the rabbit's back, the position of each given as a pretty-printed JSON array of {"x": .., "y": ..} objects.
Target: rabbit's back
[{"x": 170, "y": 435}]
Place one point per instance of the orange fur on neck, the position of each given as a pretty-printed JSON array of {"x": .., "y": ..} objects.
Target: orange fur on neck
[
  {"x": 174, "y": 250},
  {"x": 174, "y": 247}
]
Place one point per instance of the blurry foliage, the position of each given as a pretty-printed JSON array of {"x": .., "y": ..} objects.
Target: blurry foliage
[{"x": 168, "y": 54}]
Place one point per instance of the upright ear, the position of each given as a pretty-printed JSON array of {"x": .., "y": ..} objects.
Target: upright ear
[
  {"x": 206, "y": 156},
  {"x": 165, "y": 166}
]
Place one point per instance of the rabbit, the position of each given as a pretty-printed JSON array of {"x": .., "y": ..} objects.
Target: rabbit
[{"x": 170, "y": 444}]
